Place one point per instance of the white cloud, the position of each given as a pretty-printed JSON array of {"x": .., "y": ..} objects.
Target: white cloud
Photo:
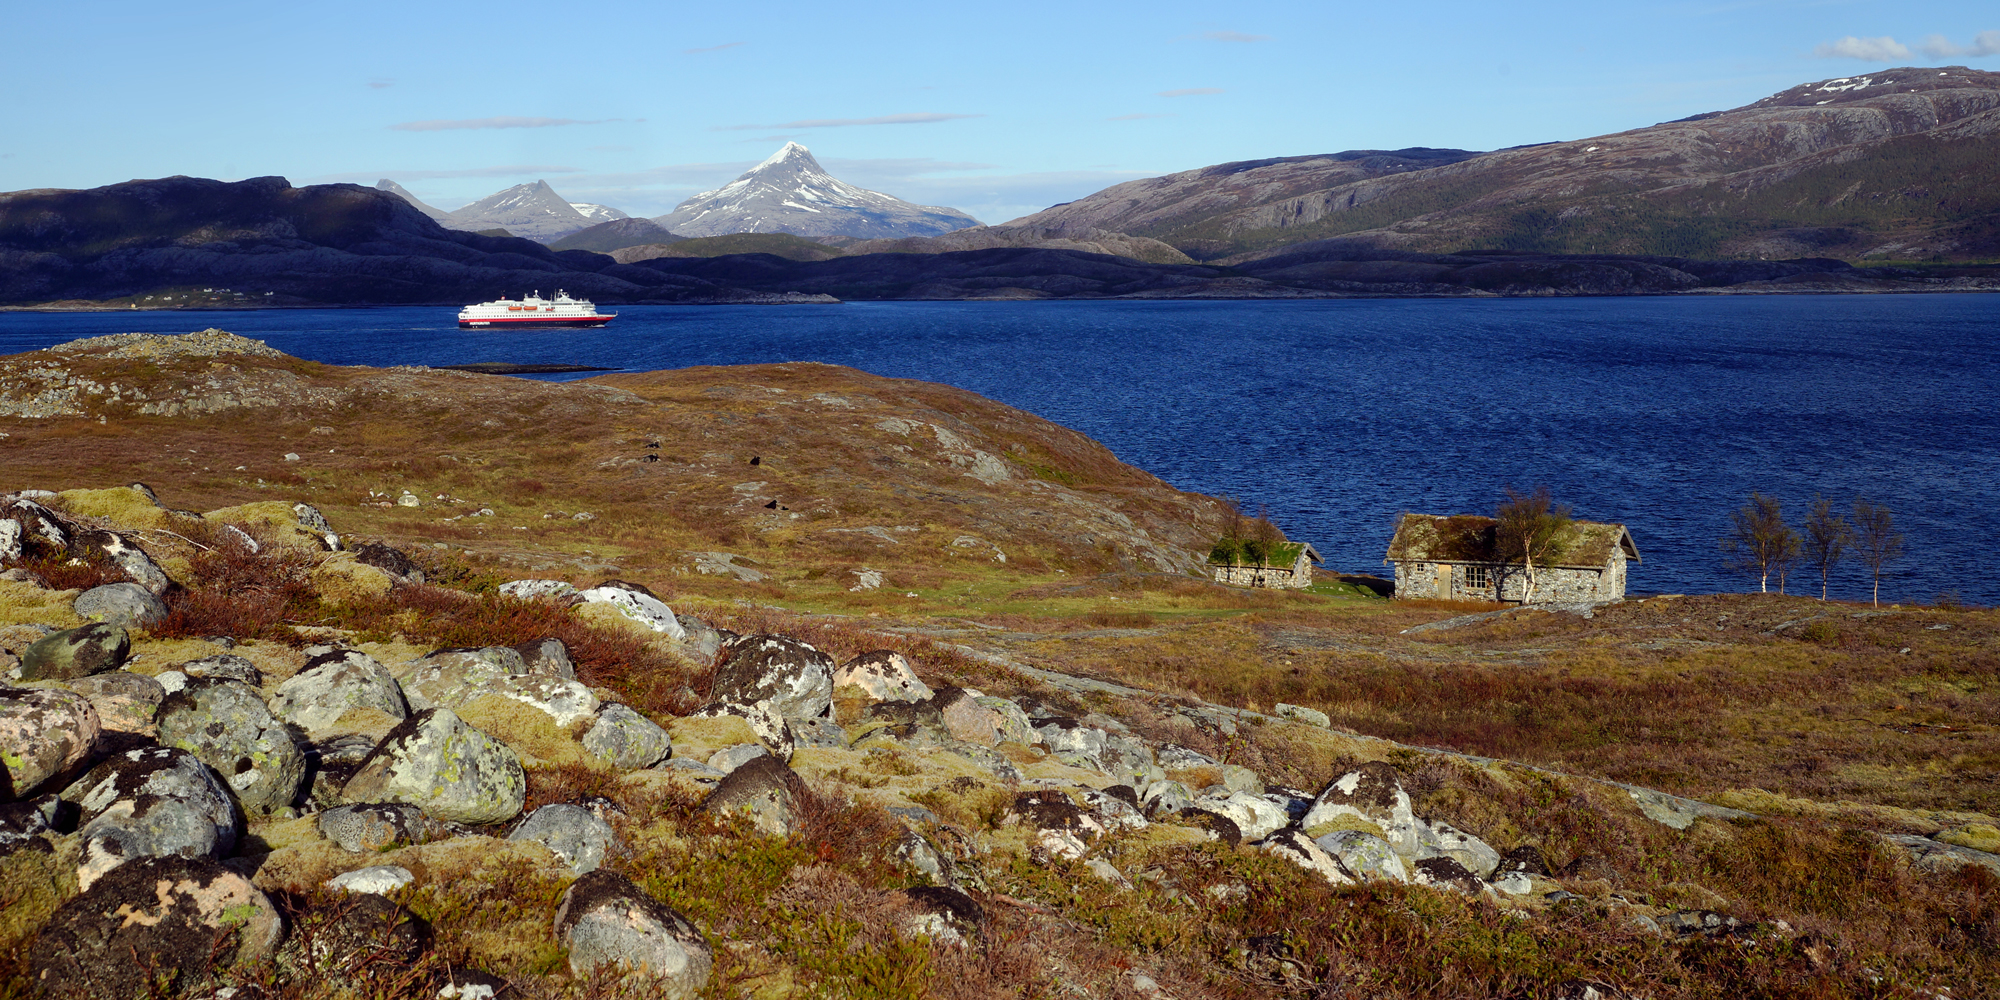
[
  {"x": 1985, "y": 43},
  {"x": 1883, "y": 49},
  {"x": 1190, "y": 91},
  {"x": 504, "y": 121},
  {"x": 917, "y": 118}
]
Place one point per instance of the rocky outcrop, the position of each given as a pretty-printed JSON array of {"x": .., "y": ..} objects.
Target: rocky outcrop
[
  {"x": 438, "y": 763},
  {"x": 157, "y": 922},
  {"x": 789, "y": 677}
]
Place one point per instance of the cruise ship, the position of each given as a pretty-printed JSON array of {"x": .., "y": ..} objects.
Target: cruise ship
[{"x": 533, "y": 311}]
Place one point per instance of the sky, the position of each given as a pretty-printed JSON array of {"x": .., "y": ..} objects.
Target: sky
[{"x": 996, "y": 109}]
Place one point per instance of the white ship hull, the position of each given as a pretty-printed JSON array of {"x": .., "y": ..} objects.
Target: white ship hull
[{"x": 533, "y": 311}]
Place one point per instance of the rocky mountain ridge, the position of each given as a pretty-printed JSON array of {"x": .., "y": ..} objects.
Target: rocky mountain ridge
[
  {"x": 1896, "y": 163},
  {"x": 791, "y": 193}
]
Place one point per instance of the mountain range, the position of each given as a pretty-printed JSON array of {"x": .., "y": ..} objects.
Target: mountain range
[{"x": 1902, "y": 163}]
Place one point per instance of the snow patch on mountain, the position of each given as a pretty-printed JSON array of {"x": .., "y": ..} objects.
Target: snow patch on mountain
[
  {"x": 534, "y": 210},
  {"x": 791, "y": 193}
]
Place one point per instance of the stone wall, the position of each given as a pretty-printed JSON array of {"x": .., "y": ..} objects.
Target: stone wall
[
  {"x": 1419, "y": 579},
  {"x": 1272, "y": 577}
]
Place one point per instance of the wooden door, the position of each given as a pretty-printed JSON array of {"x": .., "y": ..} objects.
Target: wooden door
[{"x": 1444, "y": 582}]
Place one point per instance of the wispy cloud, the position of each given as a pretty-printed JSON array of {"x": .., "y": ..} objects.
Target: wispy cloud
[
  {"x": 370, "y": 176},
  {"x": 1985, "y": 43},
  {"x": 711, "y": 48},
  {"x": 1230, "y": 36},
  {"x": 503, "y": 121},
  {"x": 1190, "y": 91},
  {"x": 1134, "y": 118},
  {"x": 918, "y": 118},
  {"x": 381, "y": 82},
  {"x": 1883, "y": 49}
]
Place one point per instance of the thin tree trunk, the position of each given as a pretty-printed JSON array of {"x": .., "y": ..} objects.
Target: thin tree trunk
[
  {"x": 1764, "y": 582},
  {"x": 1878, "y": 590}
]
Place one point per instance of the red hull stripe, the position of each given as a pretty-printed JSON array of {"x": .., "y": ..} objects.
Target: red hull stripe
[{"x": 539, "y": 320}]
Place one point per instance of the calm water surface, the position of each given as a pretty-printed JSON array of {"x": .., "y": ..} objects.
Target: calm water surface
[{"x": 1662, "y": 413}]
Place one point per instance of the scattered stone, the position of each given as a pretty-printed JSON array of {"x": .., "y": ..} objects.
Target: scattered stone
[
  {"x": 641, "y": 607},
  {"x": 450, "y": 770},
  {"x": 1300, "y": 713},
  {"x": 224, "y": 666},
  {"x": 769, "y": 727},
  {"x": 227, "y": 725},
  {"x": 606, "y": 920},
  {"x": 22, "y": 824},
  {"x": 1219, "y": 826},
  {"x": 1526, "y": 859},
  {"x": 126, "y": 702},
  {"x": 156, "y": 923},
  {"x": 627, "y": 739},
  {"x": 10, "y": 540},
  {"x": 332, "y": 683},
  {"x": 1296, "y": 847},
  {"x": 374, "y": 826},
  {"x": 77, "y": 652},
  {"x": 1365, "y": 855},
  {"x": 964, "y": 718},
  {"x": 151, "y": 802},
  {"x": 389, "y": 560},
  {"x": 764, "y": 789},
  {"x": 884, "y": 675},
  {"x": 1443, "y": 871},
  {"x": 111, "y": 548},
  {"x": 1255, "y": 816},
  {"x": 547, "y": 658},
  {"x": 380, "y": 880},
  {"x": 44, "y": 736},
  {"x": 819, "y": 733},
  {"x": 1165, "y": 798},
  {"x": 575, "y": 834},
  {"x": 331, "y": 762},
  {"x": 120, "y": 604},
  {"x": 530, "y": 589},
  {"x": 1013, "y": 723},
  {"x": 944, "y": 914},
  {"x": 729, "y": 759},
  {"x": 1369, "y": 798},
  {"x": 454, "y": 678},
  {"x": 791, "y": 677}
]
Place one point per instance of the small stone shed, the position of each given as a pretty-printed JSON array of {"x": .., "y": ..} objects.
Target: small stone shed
[
  {"x": 1452, "y": 558},
  {"x": 1291, "y": 567}
]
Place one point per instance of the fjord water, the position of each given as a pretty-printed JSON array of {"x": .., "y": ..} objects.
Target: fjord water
[{"x": 1662, "y": 413}]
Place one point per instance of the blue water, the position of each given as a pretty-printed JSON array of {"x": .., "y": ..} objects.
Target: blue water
[{"x": 1662, "y": 413}]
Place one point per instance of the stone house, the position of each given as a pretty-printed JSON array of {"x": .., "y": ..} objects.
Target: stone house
[
  {"x": 1290, "y": 567},
  {"x": 1452, "y": 558}
]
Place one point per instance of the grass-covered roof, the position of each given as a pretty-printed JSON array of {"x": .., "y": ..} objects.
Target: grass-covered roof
[{"x": 1470, "y": 538}]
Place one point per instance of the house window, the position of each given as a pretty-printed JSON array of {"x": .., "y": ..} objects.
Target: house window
[{"x": 1478, "y": 578}]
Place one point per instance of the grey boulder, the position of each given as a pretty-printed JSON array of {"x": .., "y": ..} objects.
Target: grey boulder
[
  {"x": 77, "y": 652},
  {"x": 435, "y": 761},
  {"x": 1369, "y": 798},
  {"x": 790, "y": 677},
  {"x": 121, "y": 604},
  {"x": 1365, "y": 855},
  {"x": 224, "y": 667},
  {"x": 575, "y": 834},
  {"x": 228, "y": 726},
  {"x": 884, "y": 675},
  {"x": 374, "y": 826},
  {"x": 1436, "y": 838},
  {"x": 453, "y": 678},
  {"x": 332, "y": 683},
  {"x": 44, "y": 735},
  {"x": 606, "y": 920},
  {"x": 151, "y": 802},
  {"x": 764, "y": 790},
  {"x": 126, "y": 702},
  {"x": 627, "y": 739}
]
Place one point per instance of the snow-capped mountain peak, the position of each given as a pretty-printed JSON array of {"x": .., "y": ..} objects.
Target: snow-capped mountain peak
[
  {"x": 597, "y": 213},
  {"x": 791, "y": 193},
  {"x": 532, "y": 210}
]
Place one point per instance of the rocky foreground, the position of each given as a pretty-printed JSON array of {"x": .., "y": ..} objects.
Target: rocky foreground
[{"x": 348, "y": 813}]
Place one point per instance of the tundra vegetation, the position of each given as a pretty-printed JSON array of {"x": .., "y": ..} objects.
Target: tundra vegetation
[{"x": 1836, "y": 762}]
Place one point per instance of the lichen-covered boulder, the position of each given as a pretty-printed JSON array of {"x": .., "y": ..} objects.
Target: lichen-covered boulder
[
  {"x": 790, "y": 677},
  {"x": 1365, "y": 855},
  {"x": 77, "y": 652},
  {"x": 642, "y": 608},
  {"x": 768, "y": 726},
  {"x": 1061, "y": 827},
  {"x": 1255, "y": 816},
  {"x": 156, "y": 922},
  {"x": 575, "y": 834},
  {"x": 1443, "y": 872},
  {"x": 1300, "y": 850},
  {"x": 1013, "y": 724},
  {"x": 120, "y": 604},
  {"x": 1526, "y": 859},
  {"x": 606, "y": 920},
  {"x": 113, "y": 549},
  {"x": 1437, "y": 838},
  {"x": 229, "y": 727},
  {"x": 223, "y": 666},
  {"x": 332, "y": 683},
  {"x": 530, "y": 589},
  {"x": 882, "y": 675},
  {"x": 374, "y": 826},
  {"x": 126, "y": 702},
  {"x": 764, "y": 789},
  {"x": 547, "y": 658},
  {"x": 627, "y": 739},
  {"x": 943, "y": 914},
  {"x": 1165, "y": 798},
  {"x": 1369, "y": 798},
  {"x": 435, "y": 761},
  {"x": 455, "y": 678},
  {"x": 151, "y": 802},
  {"x": 10, "y": 539},
  {"x": 44, "y": 736},
  {"x": 373, "y": 880},
  {"x": 22, "y": 824}
]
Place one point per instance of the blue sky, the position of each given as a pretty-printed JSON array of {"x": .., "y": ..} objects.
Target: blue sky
[{"x": 994, "y": 109}]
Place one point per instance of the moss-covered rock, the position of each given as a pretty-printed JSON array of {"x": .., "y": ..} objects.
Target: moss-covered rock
[{"x": 437, "y": 762}]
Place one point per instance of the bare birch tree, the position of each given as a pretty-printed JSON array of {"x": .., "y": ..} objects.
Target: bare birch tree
[
  {"x": 1877, "y": 543},
  {"x": 1760, "y": 542},
  {"x": 1826, "y": 539},
  {"x": 1530, "y": 529}
]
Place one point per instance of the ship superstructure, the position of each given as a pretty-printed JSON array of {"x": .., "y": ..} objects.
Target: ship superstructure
[{"x": 533, "y": 311}]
